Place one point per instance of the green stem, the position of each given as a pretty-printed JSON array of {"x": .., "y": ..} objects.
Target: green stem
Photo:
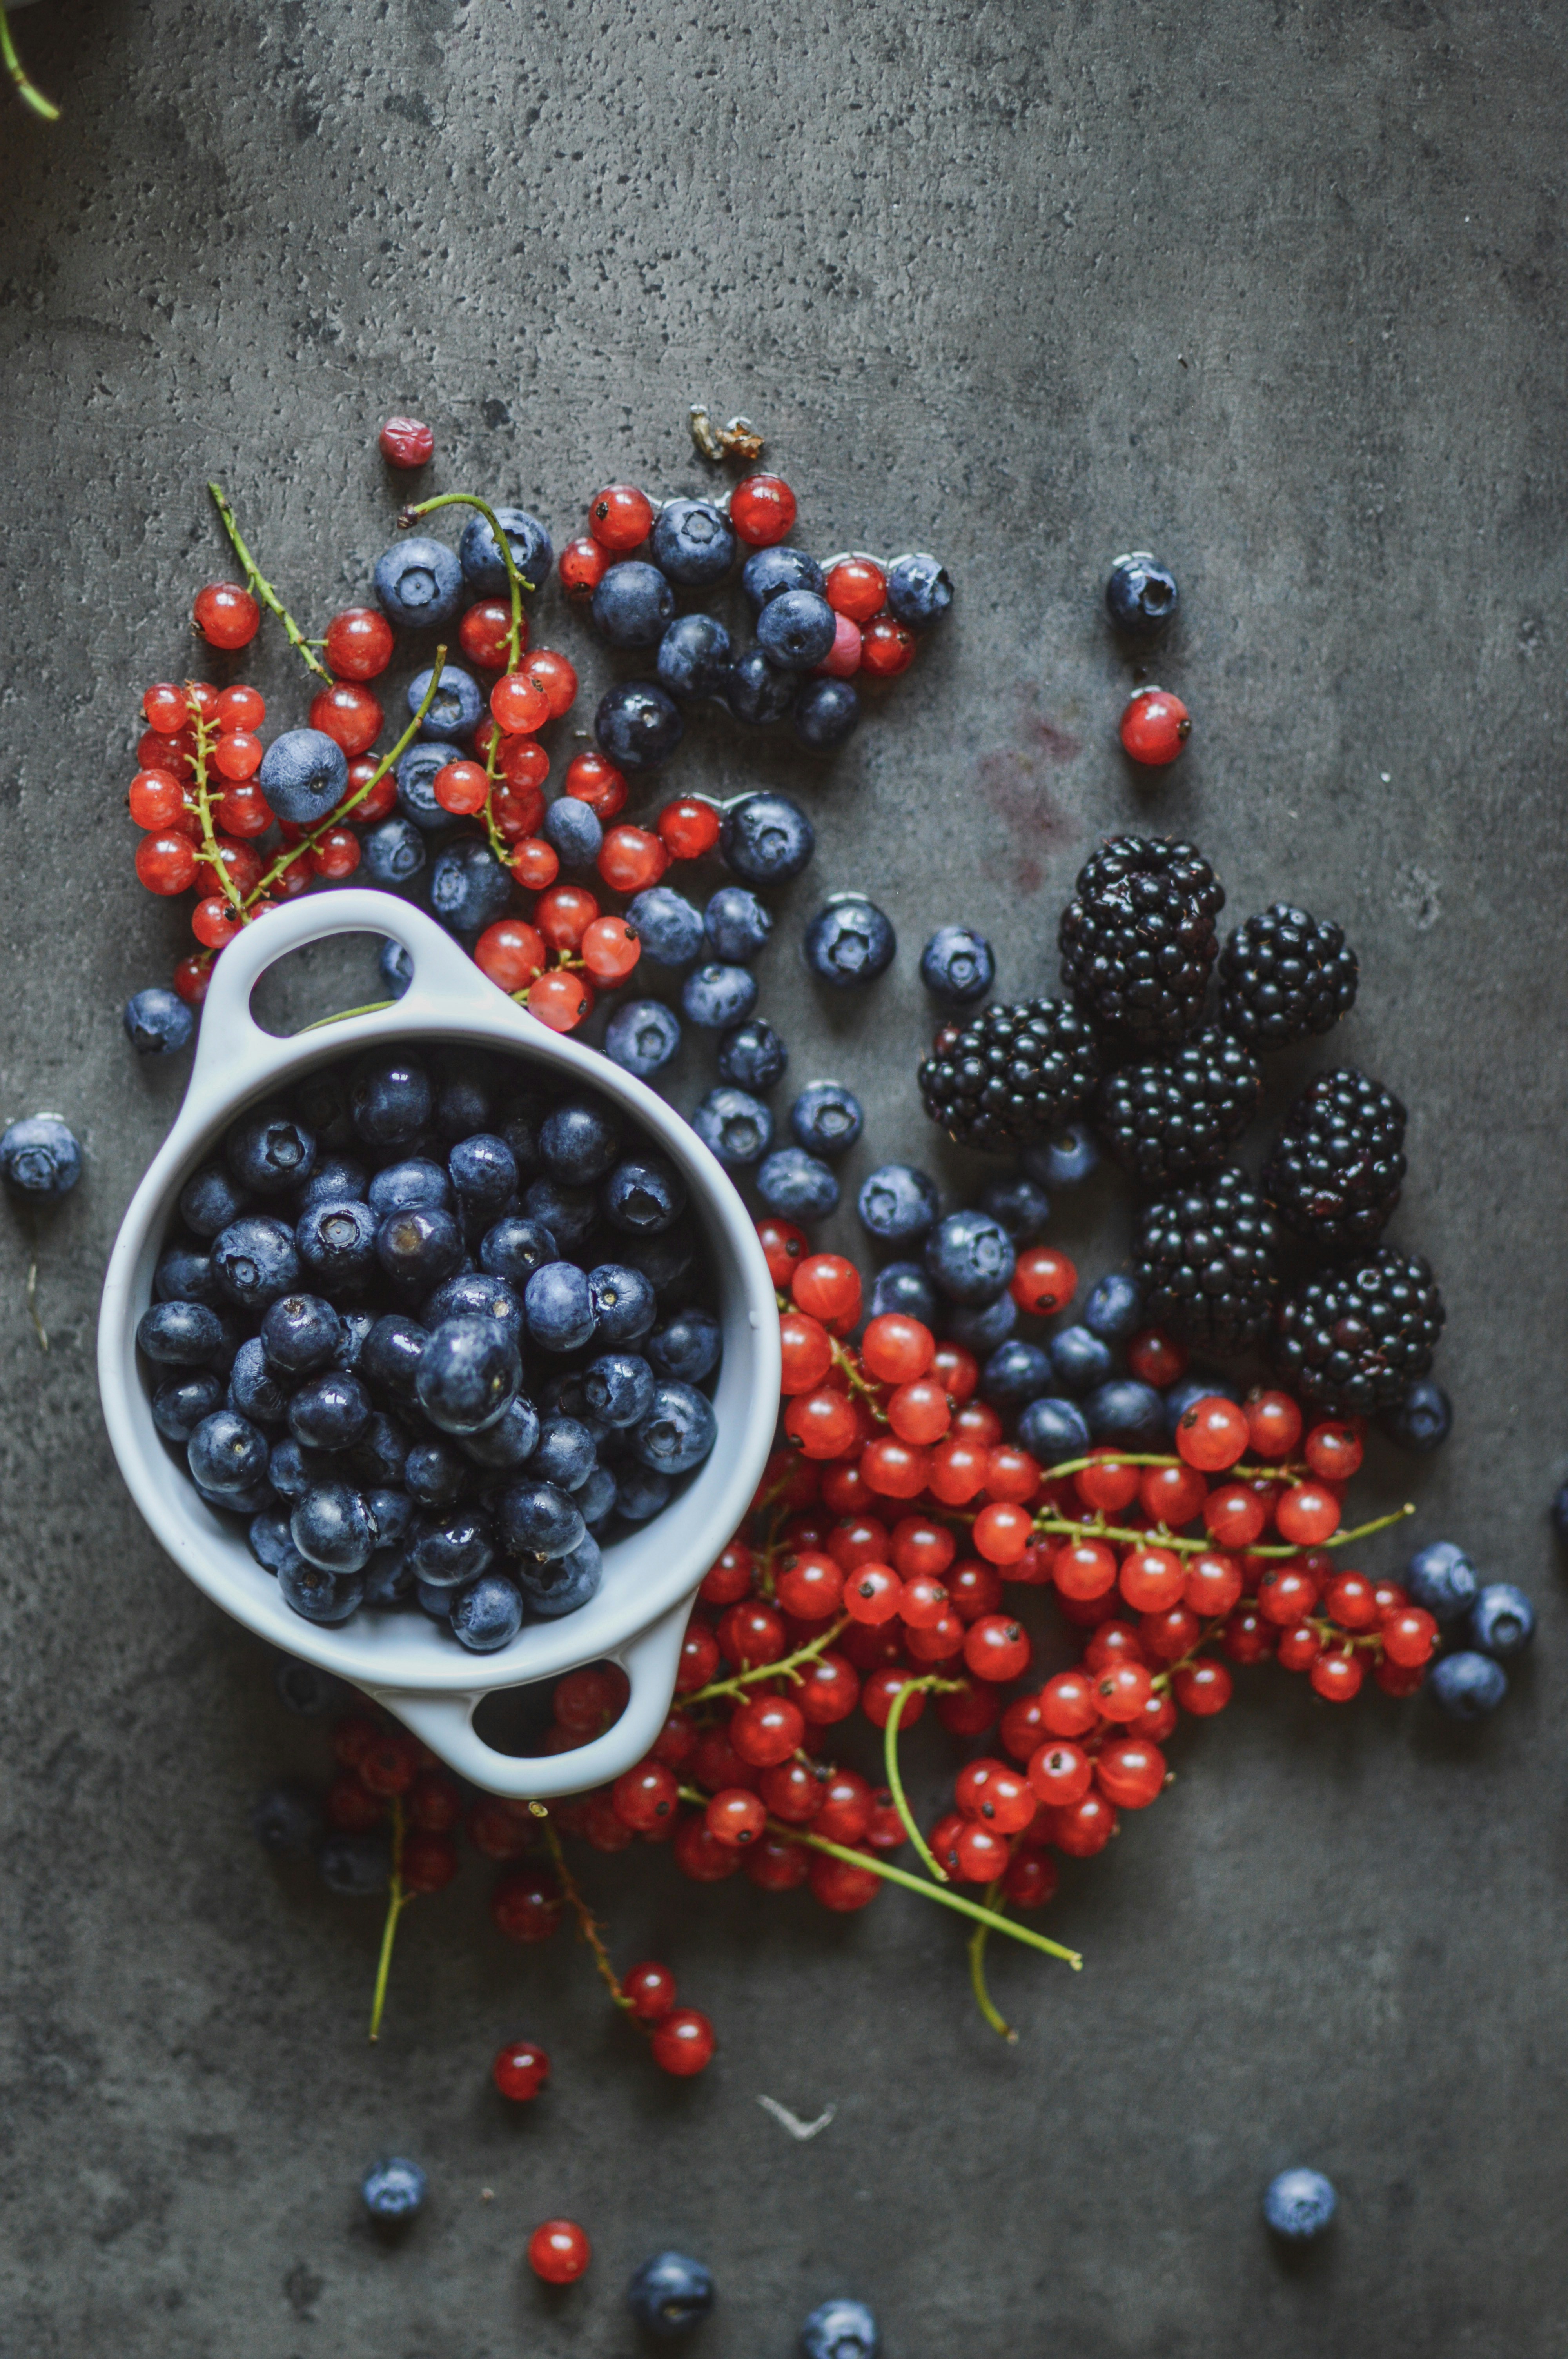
[
  {"x": 204, "y": 735},
  {"x": 1123, "y": 1534},
  {"x": 788, "y": 1667},
  {"x": 27, "y": 91},
  {"x": 515, "y": 581},
  {"x": 1110, "y": 1456},
  {"x": 260, "y": 587},
  {"x": 343, "y": 1014},
  {"x": 934, "y": 1867},
  {"x": 983, "y": 2000},
  {"x": 397, "y": 1901}
]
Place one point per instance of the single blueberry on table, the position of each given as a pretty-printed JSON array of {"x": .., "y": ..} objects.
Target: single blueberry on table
[
  {"x": 718, "y": 998},
  {"x": 693, "y": 543},
  {"x": 300, "y": 1332},
  {"x": 1053, "y": 1429},
  {"x": 641, "y": 1493},
  {"x": 1015, "y": 1375},
  {"x": 475, "y": 1294},
  {"x": 268, "y": 1152},
  {"x": 1126, "y": 1412},
  {"x": 487, "y": 1614},
  {"x": 1021, "y": 1205},
  {"x": 568, "y": 1214},
  {"x": 579, "y": 1141},
  {"x": 971, "y": 1258},
  {"x": 334, "y": 1180},
  {"x": 483, "y": 565},
  {"x": 795, "y": 630},
  {"x": 1115, "y": 1307},
  {"x": 157, "y": 1022},
  {"x": 920, "y": 590},
  {"x": 558, "y": 1305},
  {"x": 418, "y": 584},
  {"x": 827, "y": 712},
  {"x": 1081, "y": 1361},
  {"x": 1467, "y": 1685},
  {"x": 634, "y": 605},
  {"x": 181, "y": 1402},
  {"x": 620, "y": 1388},
  {"x": 469, "y": 889},
  {"x": 979, "y": 1326},
  {"x": 256, "y": 1389},
  {"x": 456, "y": 1548},
  {"x": 738, "y": 1128},
  {"x": 670, "y": 2294},
  {"x": 753, "y": 1055},
  {"x": 227, "y": 1454},
  {"x": 957, "y": 966},
  {"x": 624, "y": 1305},
  {"x": 212, "y": 1198},
  {"x": 1423, "y": 1419},
  {"x": 897, "y": 1203},
  {"x": 355, "y": 1866},
  {"x": 392, "y": 855},
  {"x": 686, "y": 1347},
  {"x": 1066, "y": 1159},
  {"x": 455, "y": 708},
  {"x": 694, "y": 655},
  {"x": 903, "y": 1287},
  {"x": 180, "y": 1334},
  {"x": 469, "y": 1371},
  {"x": 766, "y": 839},
  {"x": 1140, "y": 598},
  {"x": 756, "y": 691},
  {"x": 643, "y": 1035},
  {"x": 287, "y": 1820},
  {"x": 304, "y": 775},
  {"x": 840, "y": 2330},
  {"x": 666, "y": 923},
  {"x": 434, "y": 1473},
  {"x": 390, "y": 1356},
  {"x": 330, "y": 1526},
  {"x": 393, "y": 2188},
  {"x": 510, "y": 1441},
  {"x": 1502, "y": 1620},
  {"x": 565, "y": 1455},
  {"x": 1442, "y": 1581},
  {"x": 515, "y": 1248},
  {"x": 849, "y": 942},
  {"x": 573, "y": 832},
  {"x": 1298, "y": 2204},
  {"x": 416, "y": 777},
  {"x": 255, "y": 1260},
  {"x": 420, "y": 1247},
  {"x": 537, "y": 1519},
  {"x": 737, "y": 924},
  {"x": 563, "y": 1583},
  {"x": 797, "y": 1185},
  {"x": 39, "y": 1158},
  {"x": 643, "y": 1195},
  {"x": 329, "y": 1412},
  {"x": 827, "y": 1118},
  {"x": 638, "y": 725},
  {"x": 390, "y": 1099},
  {"x": 770, "y": 573}
]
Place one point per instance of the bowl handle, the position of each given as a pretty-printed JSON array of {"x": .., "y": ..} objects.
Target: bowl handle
[
  {"x": 443, "y": 985},
  {"x": 444, "y": 1722}
]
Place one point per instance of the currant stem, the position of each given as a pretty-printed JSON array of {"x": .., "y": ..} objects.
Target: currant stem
[
  {"x": 260, "y": 587},
  {"x": 587, "y": 1923},
  {"x": 976, "y": 1949},
  {"x": 30, "y": 95},
  {"x": 1093, "y": 1530},
  {"x": 204, "y": 735},
  {"x": 896, "y": 1783},
  {"x": 787, "y": 1668},
  {"x": 513, "y": 579},
  {"x": 397, "y": 1901},
  {"x": 1242, "y": 1472}
]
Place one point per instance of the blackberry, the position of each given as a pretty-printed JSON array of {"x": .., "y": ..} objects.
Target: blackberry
[
  {"x": 1177, "y": 1115},
  {"x": 1333, "y": 1176},
  {"x": 1283, "y": 976},
  {"x": 1351, "y": 1341},
  {"x": 1138, "y": 939},
  {"x": 1205, "y": 1260},
  {"x": 1011, "y": 1075}
]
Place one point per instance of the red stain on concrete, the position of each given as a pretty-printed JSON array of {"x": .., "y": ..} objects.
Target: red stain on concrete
[{"x": 1015, "y": 781}]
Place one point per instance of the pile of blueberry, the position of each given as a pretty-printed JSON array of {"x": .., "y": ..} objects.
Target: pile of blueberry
[{"x": 344, "y": 1317}]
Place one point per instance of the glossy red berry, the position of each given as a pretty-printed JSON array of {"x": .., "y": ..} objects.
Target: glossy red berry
[
  {"x": 521, "y": 2069},
  {"x": 226, "y": 615},
  {"x": 1156, "y": 1358},
  {"x": 1003, "y": 1532},
  {"x": 872, "y": 1594},
  {"x": 191, "y": 978},
  {"x": 1299, "y": 1647},
  {"x": 793, "y": 1790},
  {"x": 974, "y": 1587},
  {"x": 918, "y": 1411},
  {"x": 958, "y": 1372},
  {"x": 1172, "y": 1496},
  {"x": 334, "y": 854},
  {"x": 785, "y": 1248},
  {"x": 213, "y": 920},
  {"x": 856, "y": 588},
  {"x": 839, "y": 1885},
  {"x": 519, "y": 704},
  {"x": 1247, "y": 1637},
  {"x": 822, "y": 1424},
  {"x": 887, "y": 647},
  {"x": 1130, "y": 1772},
  {"x": 406, "y": 442},
  {"x": 1031, "y": 1879},
  {"x": 1214, "y": 1583},
  {"x": 1167, "y": 1637},
  {"x": 1154, "y": 727},
  {"x": 897, "y": 1350},
  {"x": 730, "y": 1577},
  {"x": 1152, "y": 1579},
  {"x": 762, "y": 510},
  {"x": 526, "y": 1905},
  {"x": 583, "y": 565},
  {"x": 1068, "y": 1705},
  {"x": 1234, "y": 1516},
  {"x": 1083, "y": 1827},
  {"x": 880, "y": 1688},
  {"x": 1060, "y": 1772},
  {"x": 689, "y": 828},
  {"x": 630, "y": 859},
  {"x": 997, "y": 1648},
  {"x": 682, "y": 2041},
  {"x": 809, "y": 1585},
  {"x": 1273, "y": 1422},
  {"x": 650, "y": 1989},
  {"x": 917, "y": 1544},
  {"x": 561, "y": 1001},
  {"x": 1307, "y": 1515},
  {"x": 590, "y": 780},
  {"x": 348, "y": 713},
  {"x": 1044, "y": 1281},
  {"x": 620, "y": 517},
  {"x": 1334, "y": 1452},
  {"x": 751, "y": 1633},
  {"x": 807, "y": 1350},
  {"x": 1083, "y": 1569},
  {"x": 557, "y": 676},
  {"x": 698, "y": 1854},
  {"x": 827, "y": 1691},
  {"x": 767, "y": 1730},
  {"x": 995, "y": 1793},
  {"x": 828, "y": 1287},
  {"x": 957, "y": 1471},
  {"x": 736, "y": 1816},
  {"x": 1409, "y": 1637},
  {"x": 1397, "y": 1679},
  {"x": 646, "y": 1798},
  {"x": 1202, "y": 1688},
  {"x": 157, "y": 801},
  {"x": 774, "y": 1863},
  {"x": 237, "y": 755},
  {"x": 359, "y": 644},
  {"x": 610, "y": 950},
  {"x": 1351, "y": 1601},
  {"x": 164, "y": 707},
  {"x": 1212, "y": 1435},
  {"x": 1121, "y": 1691},
  {"x": 512, "y": 953},
  {"x": 1108, "y": 1484},
  {"x": 165, "y": 863},
  {"x": 1337, "y": 1675},
  {"x": 484, "y": 633},
  {"x": 460, "y": 787},
  {"x": 981, "y": 1853},
  {"x": 558, "y": 2251}
]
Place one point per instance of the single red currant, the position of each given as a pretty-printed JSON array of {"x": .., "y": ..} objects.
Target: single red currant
[
  {"x": 335, "y": 854},
  {"x": 537, "y": 863},
  {"x": 897, "y": 1350},
  {"x": 630, "y": 859},
  {"x": 1247, "y": 1637},
  {"x": 484, "y": 633},
  {"x": 557, "y": 676},
  {"x": 996, "y": 1793},
  {"x": 997, "y": 1648},
  {"x": 1234, "y": 1516},
  {"x": 1214, "y": 1583},
  {"x": 1307, "y": 1515},
  {"x": 409, "y": 442},
  {"x": 776, "y": 1865},
  {"x": 1083, "y": 1569},
  {"x": 1152, "y": 1579},
  {"x": 687, "y": 828},
  {"x": 1131, "y": 1772},
  {"x": 1409, "y": 1637},
  {"x": 620, "y": 517},
  {"x": 1167, "y": 1637},
  {"x": 1337, "y": 1675},
  {"x": 829, "y": 1288},
  {"x": 349, "y": 714},
  {"x": 839, "y": 1884},
  {"x": 736, "y": 1816},
  {"x": 610, "y": 950},
  {"x": 1083, "y": 1827},
  {"x": 762, "y": 510},
  {"x": 561, "y": 1001},
  {"x": 793, "y": 1790},
  {"x": 1212, "y": 1435},
  {"x": 887, "y": 647},
  {"x": 958, "y": 1372},
  {"x": 590, "y": 780},
  {"x": 1031, "y": 1879},
  {"x": 166, "y": 864},
  {"x": 1108, "y": 1484},
  {"x": 1060, "y": 1772},
  {"x": 767, "y": 1730},
  {"x": 1172, "y": 1496},
  {"x": 1334, "y": 1452},
  {"x": 521, "y": 2069},
  {"x": 646, "y": 1798},
  {"x": 829, "y": 1690},
  {"x": 1154, "y": 727},
  {"x": 518, "y": 705},
  {"x": 226, "y": 615},
  {"x": 682, "y": 2041},
  {"x": 460, "y": 787},
  {"x": 558, "y": 2250},
  {"x": 650, "y": 1989},
  {"x": 564, "y": 915},
  {"x": 512, "y": 953},
  {"x": 164, "y": 709},
  {"x": 1202, "y": 1688},
  {"x": 857, "y": 588},
  {"x": 1156, "y": 1358},
  {"x": 583, "y": 565},
  {"x": 526, "y": 1905}
]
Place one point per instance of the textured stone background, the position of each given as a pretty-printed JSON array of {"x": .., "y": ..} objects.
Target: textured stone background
[{"x": 1277, "y": 291}]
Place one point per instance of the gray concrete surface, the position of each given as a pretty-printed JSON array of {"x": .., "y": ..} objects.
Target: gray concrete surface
[{"x": 1279, "y": 292}]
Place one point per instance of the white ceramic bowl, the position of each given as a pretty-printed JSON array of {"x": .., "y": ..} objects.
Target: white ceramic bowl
[{"x": 402, "y": 1659}]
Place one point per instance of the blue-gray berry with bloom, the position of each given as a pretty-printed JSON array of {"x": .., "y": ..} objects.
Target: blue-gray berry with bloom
[
  {"x": 304, "y": 775},
  {"x": 1467, "y": 1686},
  {"x": 827, "y": 712},
  {"x": 766, "y": 839},
  {"x": 1502, "y": 1620},
  {"x": 419, "y": 583},
  {"x": 670, "y": 2294},
  {"x": 573, "y": 830},
  {"x": 693, "y": 542},
  {"x": 898, "y": 1204},
  {"x": 919, "y": 590},
  {"x": 736, "y": 1126},
  {"x": 641, "y": 1038},
  {"x": 393, "y": 2188},
  {"x": 849, "y": 942},
  {"x": 1064, "y": 1161},
  {"x": 957, "y": 966},
  {"x": 482, "y": 564},
  {"x": 455, "y": 709},
  {"x": 840, "y": 2330},
  {"x": 797, "y": 1185},
  {"x": 1442, "y": 1581},
  {"x": 40, "y": 1158},
  {"x": 1298, "y": 2204},
  {"x": 157, "y": 1022},
  {"x": 827, "y": 1118}
]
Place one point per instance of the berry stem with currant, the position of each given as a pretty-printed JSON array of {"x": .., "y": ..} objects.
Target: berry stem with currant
[
  {"x": 260, "y": 588},
  {"x": 515, "y": 581}
]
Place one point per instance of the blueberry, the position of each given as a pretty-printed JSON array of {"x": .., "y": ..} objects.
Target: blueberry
[
  {"x": 1423, "y": 1421},
  {"x": 435, "y": 1473},
  {"x": 840, "y": 2330},
  {"x": 210, "y": 1200},
  {"x": 469, "y": 889},
  {"x": 1052, "y": 1430},
  {"x": 419, "y": 583},
  {"x": 180, "y": 1334},
  {"x": 388, "y": 1577},
  {"x": 827, "y": 712},
  {"x": 1015, "y": 1375},
  {"x": 515, "y": 1248},
  {"x": 1021, "y": 1205},
  {"x": 686, "y": 1347},
  {"x": 1502, "y": 1620},
  {"x": 920, "y": 590},
  {"x": 456, "y": 1548},
  {"x": 510, "y": 1441},
  {"x": 517, "y": 1122},
  {"x": 596, "y": 1499},
  {"x": 157, "y": 1022},
  {"x": 1115, "y": 1307},
  {"x": 391, "y": 1516},
  {"x": 1140, "y": 598},
  {"x": 693, "y": 542},
  {"x": 718, "y": 997},
  {"x": 642, "y": 1037},
  {"x": 331, "y": 1412},
  {"x": 255, "y": 1388},
  {"x": 756, "y": 691},
  {"x": 268, "y": 1152},
  {"x": 637, "y": 724},
  {"x": 389, "y": 1100},
  {"x": 270, "y": 1541},
  {"x": 536, "y": 1520},
  {"x": 849, "y": 942},
  {"x": 798, "y": 1186},
  {"x": 634, "y": 605},
  {"x": 227, "y": 1453},
  {"x": 391, "y": 1355},
  {"x": 753, "y": 1055},
  {"x": 304, "y": 775},
  {"x": 1197, "y": 1387},
  {"x": 670, "y": 2295},
  {"x": 573, "y": 830},
  {"x": 1298, "y": 2204},
  {"x": 393, "y": 2188},
  {"x": 668, "y": 928},
  {"x": 770, "y": 573},
  {"x": 643, "y": 1195},
  {"x": 357, "y": 1325},
  {"x": 1080, "y": 1361},
  {"x": 735, "y": 1128},
  {"x": 766, "y": 839},
  {"x": 483, "y": 565},
  {"x": 640, "y": 1492},
  {"x": 1442, "y": 1581},
  {"x": 620, "y": 1388},
  {"x": 897, "y": 1203},
  {"x": 420, "y": 1247},
  {"x": 39, "y": 1158},
  {"x": 558, "y": 1305},
  {"x": 392, "y": 855},
  {"x": 304, "y": 1688},
  {"x": 568, "y": 1214},
  {"x": 415, "y": 1183},
  {"x": 380, "y": 1454},
  {"x": 484, "y": 1173},
  {"x": 255, "y": 1261},
  {"x": 330, "y": 1527},
  {"x": 796, "y": 629},
  {"x": 334, "y": 1180},
  {"x": 624, "y": 1306},
  {"x": 416, "y": 777},
  {"x": 971, "y": 1258},
  {"x": 300, "y": 1332},
  {"x": 287, "y": 1820},
  {"x": 251, "y": 1501},
  {"x": 291, "y": 1471},
  {"x": 694, "y": 657},
  {"x": 979, "y": 1326},
  {"x": 565, "y": 1455},
  {"x": 677, "y": 1431},
  {"x": 465, "y": 1098},
  {"x": 1063, "y": 1160},
  {"x": 580, "y": 1141},
  {"x": 354, "y": 1867},
  {"x": 469, "y": 1371},
  {"x": 180, "y": 1403},
  {"x": 827, "y": 1118},
  {"x": 662, "y": 1256},
  {"x": 565, "y": 1584},
  {"x": 488, "y": 1613},
  {"x": 1128, "y": 1412},
  {"x": 903, "y": 1287},
  {"x": 737, "y": 924}
]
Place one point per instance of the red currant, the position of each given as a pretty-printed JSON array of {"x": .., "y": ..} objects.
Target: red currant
[
  {"x": 460, "y": 787},
  {"x": 157, "y": 801},
  {"x": 1247, "y": 1637},
  {"x": 164, "y": 709},
  {"x": 1156, "y": 1358},
  {"x": 829, "y": 1690},
  {"x": 1273, "y": 1422},
  {"x": 829, "y": 1288},
  {"x": 762, "y": 510},
  {"x": 958, "y": 1372},
  {"x": 561, "y": 1001},
  {"x": 918, "y": 1545},
  {"x": 767, "y": 1730},
  {"x": 1167, "y": 1636},
  {"x": 227, "y": 615},
  {"x": 620, "y": 518},
  {"x": 687, "y": 828},
  {"x": 590, "y": 780},
  {"x": 1212, "y": 1435},
  {"x": 537, "y": 863},
  {"x": 610, "y": 950},
  {"x": 1108, "y": 1484},
  {"x": 510, "y": 952},
  {"x": 1409, "y": 1637},
  {"x": 351, "y": 715},
  {"x": 918, "y": 1411},
  {"x": 857, "y": 588},
  {"x": 995, "y": 1792},
  {"x": 1307, "y": 1515},
  {"x": 212, "y": 921},
  {"x": 557, "y": 676},
  {"x": 521, "y": 2069},
  {"x": 191, "y": 978},
  {"x": 842, "y": 660},
  {"x": 887, "y": 647},
  {"x": 645, "y": 1798},
  {"x": 736, "y": 1816},
  {"x": 1083, "y": 1827},
  {"x": 1031, "y": 1879},
  {"x": 1334, "y": 1452},
  {"x": 957, "y": 1471},
  {"x": 651, "y": 1990},
  {"x": 165, "y": 863},
  {"x": 564, "y": 915},
  {"x": 698, "y": 1854},
  {"x": 682, "y": 2041},
  {"x": 1131, "y": 1772},
  {"x": 1299, "y": 1647},
  {"x": 1202, "y": 1688},
  {"x": 237, "y": 755},
  {"x": 1083, "y": 1569},
  {"x": 1214, "y": 1583},
  {"x": 409, "y": 442},
  {"x": 1152, "y": 1579},
  {"x": 526, "y": 1905},
  {"x": 335, "y": 854},
  {"x": 1154, "y": 727},
  {"x": 583, "y": 565},
  {"x": 558, "y": 2250},
  {"x": 897, "y": 1350},
  {"x": 793, "y": 1790},
  {"x": 518, "y": 705},
  {"x": 839, "y": 1884},
  {"x": 1234, "y": 1516},
  {"x": 997, "y": 1648},
  {"x": 1337, "y": 1675},
  {"x": 630, "y": 859},
  {"x": 1172, "y": 1496},
  {"x": 776, "y": 1865},
  {"x": 484, "y": 633},
  {"x": 359, "y": 644},
  {"x": 878, "y": 1694}
]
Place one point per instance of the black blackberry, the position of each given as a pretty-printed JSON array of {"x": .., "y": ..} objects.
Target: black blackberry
[
  {"x": 1010, "y": 1075},
  {"x": 1352, "y": 1341},
  {"x": 1334, "y": 1174},
  {"x": 1137, "y": 938},
  {"x": 1177, "y": 1115},
  {"x": 1283, "y": 976},
  {"x": 1203, "y": 1258}
]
